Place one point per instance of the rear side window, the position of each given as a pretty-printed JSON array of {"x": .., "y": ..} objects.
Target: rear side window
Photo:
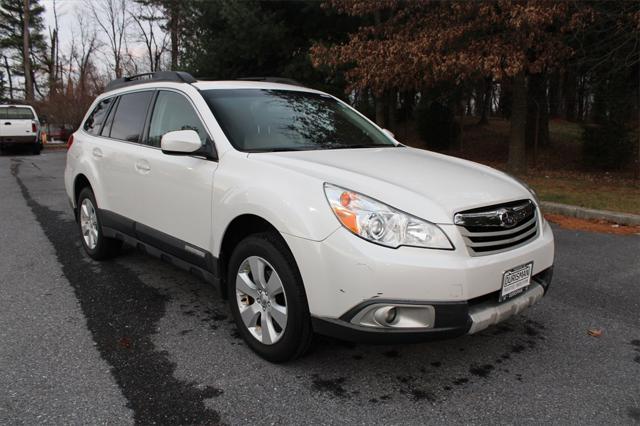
[
  {"x": 95, "y": 120},
  {"x": 130, "y": 115},
  {"x": 106, "y": 129},
  {"x": 16, "y": 113},
  {"x": 173, "y": 111}
]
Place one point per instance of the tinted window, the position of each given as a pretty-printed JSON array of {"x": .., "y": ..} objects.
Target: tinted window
[
  {"x": 16, "y": 113},
  {"x": 173, "y": 111},
  {"x": 131, "y": 112},
  {"x": 282, "y": 120},
  {"x": 106, "y": 129},
  {"x": 95, "y": 120}
]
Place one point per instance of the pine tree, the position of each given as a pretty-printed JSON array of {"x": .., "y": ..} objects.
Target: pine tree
[{"x": 12, "y": 37}]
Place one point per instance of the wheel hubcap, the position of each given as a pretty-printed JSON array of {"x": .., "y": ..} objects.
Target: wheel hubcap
[
  {"x": 261, "y": 300},
  {"x": 89, "y": 223}
]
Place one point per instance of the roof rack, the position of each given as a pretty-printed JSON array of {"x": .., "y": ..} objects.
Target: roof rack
[
  {"x": 176, "y": 76},
  {"x": 281, "y": 80}
]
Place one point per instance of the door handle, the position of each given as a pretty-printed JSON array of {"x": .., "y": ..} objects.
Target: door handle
[
  {"x": 142, "y": 166},
  {"x": 97, "y": 152},
  {"x": 8, "y": 123}
]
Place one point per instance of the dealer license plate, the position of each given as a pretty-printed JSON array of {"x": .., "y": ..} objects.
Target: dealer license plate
[{"x": 515, "y": 281}]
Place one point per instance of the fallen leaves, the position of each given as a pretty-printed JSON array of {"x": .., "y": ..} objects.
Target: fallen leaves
[
  {"x": 601, "y": 226},
  {"x": 594, "y": 332}
]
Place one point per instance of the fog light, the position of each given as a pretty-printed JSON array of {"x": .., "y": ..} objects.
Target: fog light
[
  {"x": 396, "y": 316},
  {"x": 391, "y": 316}
]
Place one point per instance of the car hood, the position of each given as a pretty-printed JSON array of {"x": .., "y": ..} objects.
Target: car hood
[{"x": 426, "y": 184}]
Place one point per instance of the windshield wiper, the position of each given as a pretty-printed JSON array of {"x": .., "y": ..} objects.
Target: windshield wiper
[
  {"x": 364, "y": 145},
  {"x": 280, "y": 149}
]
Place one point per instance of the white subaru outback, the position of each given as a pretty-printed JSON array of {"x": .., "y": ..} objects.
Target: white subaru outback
[{"x": 308, "y": 216}]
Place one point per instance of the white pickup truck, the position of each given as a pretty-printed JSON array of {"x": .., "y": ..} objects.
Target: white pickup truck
[{"x": 19, "y": 126}]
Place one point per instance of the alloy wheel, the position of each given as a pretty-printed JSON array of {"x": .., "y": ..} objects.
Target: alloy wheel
[
  {"x": 261, "y": 299},
  {"x": 89, "y": 223}
]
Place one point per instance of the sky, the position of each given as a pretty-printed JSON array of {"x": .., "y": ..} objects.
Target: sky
[
  {"x": 66, "y": 10},
  {"x": 67, "y": 25}
]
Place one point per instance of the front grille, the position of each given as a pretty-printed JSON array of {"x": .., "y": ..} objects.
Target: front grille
[{"x": 497, "y": 228}]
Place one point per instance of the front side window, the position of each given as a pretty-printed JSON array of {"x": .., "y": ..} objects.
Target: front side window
[
  {"x": 131, "y": 112},
  {"x": 95, "y": 120},
  {"x": 172, "y": 112},
  {"x": 256, "y": 120},
  {"x": 16, "y": 113}
]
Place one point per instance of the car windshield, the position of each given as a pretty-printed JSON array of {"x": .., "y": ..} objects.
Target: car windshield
[
  {"x": 256, "y": 120},
  {"x": 16, "y": 113}
]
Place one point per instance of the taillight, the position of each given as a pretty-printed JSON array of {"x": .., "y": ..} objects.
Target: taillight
[
  {"x": 33, "y": 127},
  {"x": 70, "y": 141}
]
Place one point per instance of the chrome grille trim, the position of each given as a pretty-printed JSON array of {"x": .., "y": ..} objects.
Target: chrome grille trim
[
  {"x": 499, "y": 236},
  {"x": 506, "y": 232}
]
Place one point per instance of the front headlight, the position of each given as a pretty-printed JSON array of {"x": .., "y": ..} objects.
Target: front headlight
[{"x": 382, "y": 224}]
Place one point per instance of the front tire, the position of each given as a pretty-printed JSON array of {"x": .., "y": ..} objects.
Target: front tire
[
  {"x": 93, "y": 240},
  {"x": 267, "y": 298}
]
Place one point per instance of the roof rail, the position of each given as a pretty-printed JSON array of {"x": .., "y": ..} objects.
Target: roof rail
[
  {"x": 281, "y": 80},
  {"x": 176, "y": 76}
]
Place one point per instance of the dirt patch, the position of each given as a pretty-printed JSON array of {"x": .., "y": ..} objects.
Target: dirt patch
[{"x": 601, "y": 226}]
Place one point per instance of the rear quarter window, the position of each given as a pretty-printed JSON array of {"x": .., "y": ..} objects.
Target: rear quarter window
[{"x": 94, "y": 122}]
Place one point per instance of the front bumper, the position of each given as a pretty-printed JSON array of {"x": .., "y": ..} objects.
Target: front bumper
[
  {"x": 343, "y": 272},
  {"x": 452, "y": 319}
]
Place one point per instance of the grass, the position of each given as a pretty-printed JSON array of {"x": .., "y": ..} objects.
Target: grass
[
  {"x": 588, "y": 191},
  {"x": 558, "y": 175}
]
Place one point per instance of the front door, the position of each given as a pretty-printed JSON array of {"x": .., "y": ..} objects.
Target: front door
[{"x": 177, "y": 189}]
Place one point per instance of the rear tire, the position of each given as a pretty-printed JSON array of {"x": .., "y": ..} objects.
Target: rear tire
[
  {"x": 37, "y": 147},
  {"x": 93, "y": 240},
  {"x": 267, "y": 298}
]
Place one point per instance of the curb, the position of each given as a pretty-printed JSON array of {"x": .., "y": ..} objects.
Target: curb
[{"x": 628, "y": 219}]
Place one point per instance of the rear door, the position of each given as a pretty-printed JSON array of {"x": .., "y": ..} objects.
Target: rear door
[{"x": 118, "y": 149}]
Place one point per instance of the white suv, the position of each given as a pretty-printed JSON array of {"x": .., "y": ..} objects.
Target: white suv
[{"x": 308, "y": 216}]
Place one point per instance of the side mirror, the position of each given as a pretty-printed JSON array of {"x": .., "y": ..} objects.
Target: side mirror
[
  {"x": 388, "y": 133},
  {"x": 180, "y": 142}
]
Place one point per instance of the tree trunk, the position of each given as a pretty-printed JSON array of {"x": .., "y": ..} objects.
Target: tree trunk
[
  {"x": 538, "y": 113},
  {"x": 392, "y": 110},
  {"x": 581, "y": 114},
  {"x": 517, "y": 162},
  {"x": 381, "y": 109},
  {"x": 9, "y": 78},
  {"x": 485, "y": 106},
  {"x": 53, "y": 65},
  {"x": 174, "y": 25},
  {"x": 26, "y": 52},
  {"x": 637, "y": 171},
  {"x": 570, "y": 84},
  {"x": 505, "y": 99}
]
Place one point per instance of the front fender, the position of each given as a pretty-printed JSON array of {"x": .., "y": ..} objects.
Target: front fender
[{"x": 293, "y": 203}]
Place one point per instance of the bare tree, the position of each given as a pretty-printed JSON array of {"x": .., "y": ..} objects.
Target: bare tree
[
  {"x": 52, "y": 62},
  {"x": 9, "y": 78},
  {"x": 149, "y": 21},
  {"x": 112, "y": 18},
  {"x": 82, "y": 49},
  {"x": 26, "y": 51}
]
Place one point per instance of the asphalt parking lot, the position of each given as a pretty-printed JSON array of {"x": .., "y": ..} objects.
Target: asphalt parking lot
[{"x": 137, "y": 340}]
